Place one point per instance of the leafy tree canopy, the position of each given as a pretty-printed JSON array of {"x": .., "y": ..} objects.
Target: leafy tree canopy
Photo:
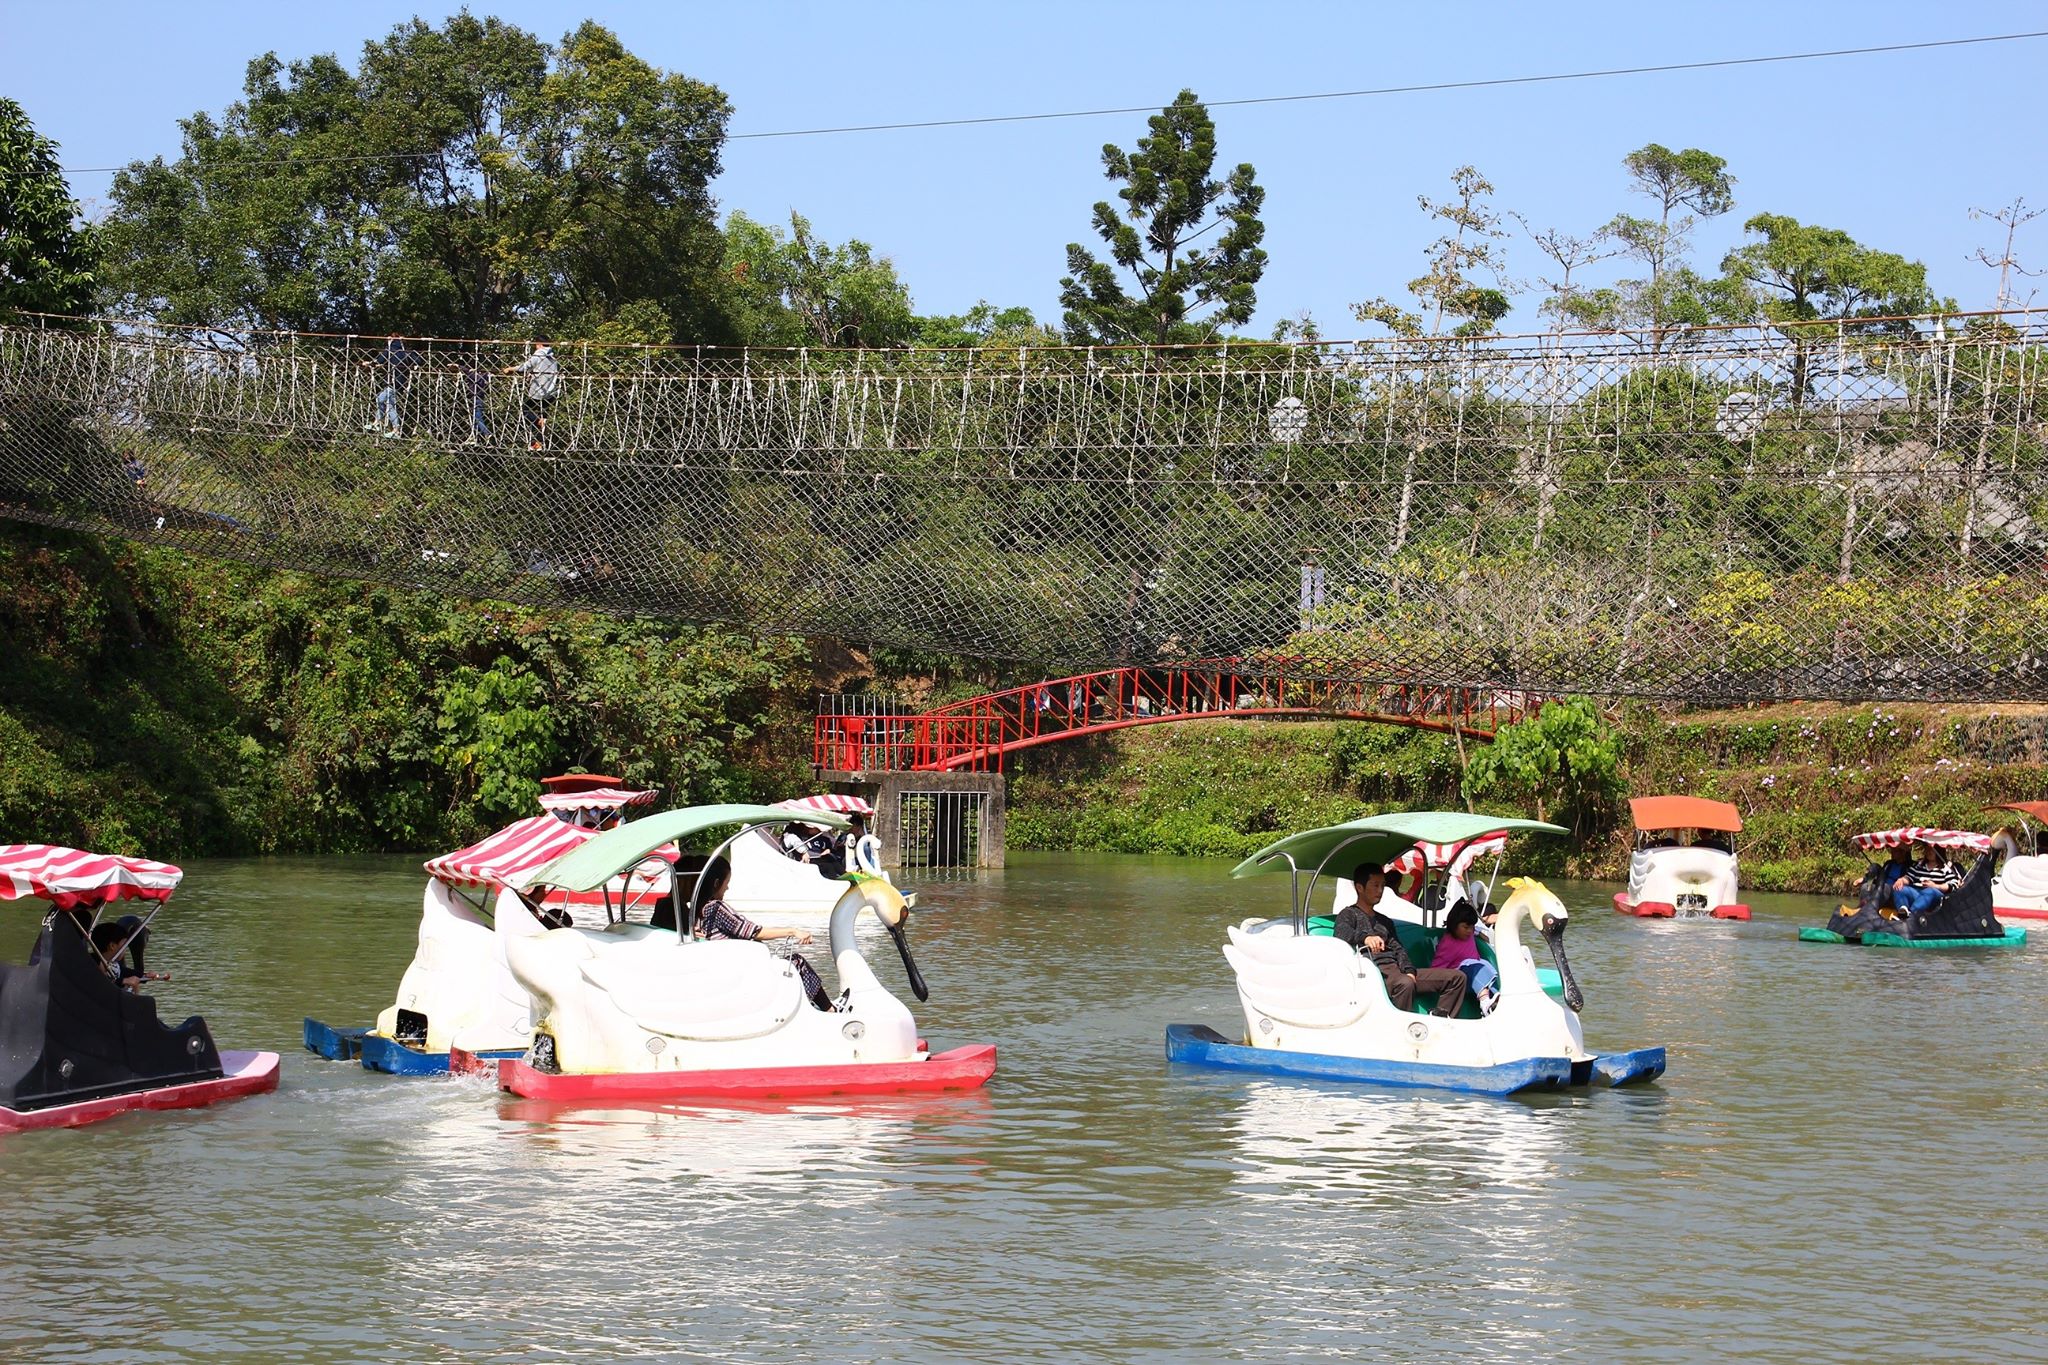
[
  {"x": 1451, "y": 289},
  {"x": 796, "y": 289},
  {"x": 1799, "y": 272},
  {"x": 463, "y": 179},
  {"x": 47, "y": 259},
  {"x": 1177, "y": 290}
]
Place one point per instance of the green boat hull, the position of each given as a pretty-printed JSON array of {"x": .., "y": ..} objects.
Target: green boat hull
[{"x": 2014, "y": 937}]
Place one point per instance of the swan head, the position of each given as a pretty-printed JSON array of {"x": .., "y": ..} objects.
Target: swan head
[
  {"x": 1548, "y": 914},
  {"x": 880, "y": 896}
]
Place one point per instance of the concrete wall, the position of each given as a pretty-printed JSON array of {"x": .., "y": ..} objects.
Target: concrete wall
[{"x": 883, "y": 789}]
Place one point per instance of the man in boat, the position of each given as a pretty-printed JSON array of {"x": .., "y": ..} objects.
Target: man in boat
[
  {"x": 716, "y": 919},
  {"x": 1368, "y": 931}
]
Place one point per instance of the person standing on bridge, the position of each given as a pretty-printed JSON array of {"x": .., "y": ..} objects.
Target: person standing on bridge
[
  {"x": 397, "y": 362},
  {"x": 543, "y": 380}
]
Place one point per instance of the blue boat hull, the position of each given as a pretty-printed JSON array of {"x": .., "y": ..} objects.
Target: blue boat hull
[
  {"x": 335, "y": 1044},
  {"x": 1200, "y": 1045},
  {"x": 395, "y": 1058}
]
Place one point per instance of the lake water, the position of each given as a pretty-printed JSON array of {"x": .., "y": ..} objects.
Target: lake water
[{"x": 1847, "y": 1161}]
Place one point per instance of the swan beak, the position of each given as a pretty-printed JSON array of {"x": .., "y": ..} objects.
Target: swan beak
[
  {"x": 917, "y": 986},
  {"x": 1553, "y": 934}
]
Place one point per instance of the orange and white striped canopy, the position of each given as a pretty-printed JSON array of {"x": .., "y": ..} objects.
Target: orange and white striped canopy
[
  {"x": 1457, "y": 857},
  {"x": 831, "y": 801},
  {"x": 512, "y": 855},
  {"x": 71, "y": 877},
  {"x": 1920, "y": 834},
  {"x": 597, "y": 798}
]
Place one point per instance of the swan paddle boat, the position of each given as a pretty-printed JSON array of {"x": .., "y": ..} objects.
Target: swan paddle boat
[
  {"x": 776, "y": 882},
  {"x": 1963, "y": 918},
  {"x": 1683, "y": 863},
  {"x": 644, "y": 1012},
  {"x": 2021, "y": 888},
  {"x": 457, "y": 990},
  {"x": 76, "y": 1044},
  {"x": 1313, "y": 1007}
]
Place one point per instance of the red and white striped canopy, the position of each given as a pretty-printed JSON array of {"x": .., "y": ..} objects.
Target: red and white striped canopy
[
  {"x": 598, "y": 798},
  {"x": 1918, "y": 834},
  {"x": 838, "y": 805},
  {"x": 69, "y": 877},
  {"x": 1457, "y": 857},
  {"x": 512, "y": 855}
]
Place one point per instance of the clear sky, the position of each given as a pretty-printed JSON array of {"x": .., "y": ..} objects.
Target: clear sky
[{"x": 1894, "y": 148}]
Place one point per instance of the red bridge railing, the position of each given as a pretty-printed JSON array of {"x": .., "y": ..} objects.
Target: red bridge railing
[{"x": 856, "y": 735}]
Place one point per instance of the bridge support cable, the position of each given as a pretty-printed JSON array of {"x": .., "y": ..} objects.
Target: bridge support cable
[{"x": 1854, "y": 510}]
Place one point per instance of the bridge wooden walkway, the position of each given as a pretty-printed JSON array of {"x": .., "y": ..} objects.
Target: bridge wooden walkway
[{"x": 854, "y": 734}]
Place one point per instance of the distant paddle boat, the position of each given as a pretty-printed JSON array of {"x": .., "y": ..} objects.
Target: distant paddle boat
[
  {"x": 2020, "y": 890},
  {"x": 1314, "y": 1007},
  {"x": 1962, "y": 918},
  {"x": 457, "y": 990},
  {"x": 773, "y": 880},
  {"x": 1683, "y": 863},
  {"x": 640, "y": 1012},
  {"x": 77, "y": 1045}
]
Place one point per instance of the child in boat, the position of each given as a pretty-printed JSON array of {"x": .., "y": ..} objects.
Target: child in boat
[
  {"x": 1459, "y": 949},
  {"x": 716, "y": 919}
]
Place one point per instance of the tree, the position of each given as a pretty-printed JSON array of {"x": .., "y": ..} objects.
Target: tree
[
  {"x": 799, "y": 290},
  {"x": 1802, "y": 274},
  {"x": 47, "y": 260},
  {"x": 1170, "y": 202},
  {"x": 1450, "y": 287},
  {"x": 1673, "y": 295},
  {"x": 1564, "y": 760},
  {"x": 984, "y": 325},
  {"x": 463, "y": 179},
  {"x": 2012, "y": 218}
]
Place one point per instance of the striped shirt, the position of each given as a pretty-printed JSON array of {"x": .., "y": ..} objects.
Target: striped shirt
[
  {"x": 719, "y": 920},
  {"x": 1943, "y": 878}
]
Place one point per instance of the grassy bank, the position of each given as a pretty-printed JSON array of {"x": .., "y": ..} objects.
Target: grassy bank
[{"x": 1805, "y": 776}]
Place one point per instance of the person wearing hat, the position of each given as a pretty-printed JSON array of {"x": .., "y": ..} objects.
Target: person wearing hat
[
  {"x": 1370, "y": 932},
  {"x": 1458, "y": 949}
]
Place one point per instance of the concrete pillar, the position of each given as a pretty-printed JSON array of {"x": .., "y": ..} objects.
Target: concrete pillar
[{"x": 885, "y": 791}]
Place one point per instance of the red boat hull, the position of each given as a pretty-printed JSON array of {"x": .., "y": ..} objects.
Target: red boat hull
[
  {"x": 246, "y": 1073},
  {"x": 1665, "y": 910},
  {"x": 2008, "y": 912},
  {"x": 962, "y": 1068}
]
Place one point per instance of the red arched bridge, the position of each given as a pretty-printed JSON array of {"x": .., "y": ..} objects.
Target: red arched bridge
[{"x": 857, "y": 734}]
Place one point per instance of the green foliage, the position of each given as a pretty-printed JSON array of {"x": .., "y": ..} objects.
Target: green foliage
[
  {"x": 798, "y": 290},
  {"x": 47, "y": 258},
  {"x": 1171, "y": 202},
  {"x": 1449, "y": 288},
  {"x": 1565, "y": 761},
  {"x": 460, "y": 179},
  {"x": 161, "y": 704}
]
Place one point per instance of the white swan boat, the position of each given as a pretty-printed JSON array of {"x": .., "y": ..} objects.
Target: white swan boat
[
  {"x": 1683, "y": 863},
  {"x": 1314, "y": 1007},
  {"x": 778, "y": 883},
  {"x": 2021, "y": 890},
  {"x": 638, "y": 1012},
  {"x": 457, "y": 990}
]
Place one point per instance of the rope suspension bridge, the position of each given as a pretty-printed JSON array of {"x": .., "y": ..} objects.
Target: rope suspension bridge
[{"x": 1854, "y": 510}]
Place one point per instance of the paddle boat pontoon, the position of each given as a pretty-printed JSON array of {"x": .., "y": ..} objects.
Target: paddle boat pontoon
[
  {"x": 1683, "y": 864},
  {"x": 643, "y": 1012},
  {"x": 2021, "y": 888},
  {"x": 457, "y": 991},
  {"x": 1314, "y": 1007},
  {"x": 76, "y": 1045},
  {"x": 1963, "y": 918}
]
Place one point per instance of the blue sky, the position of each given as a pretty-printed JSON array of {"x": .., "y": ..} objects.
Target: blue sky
[{"x": 1894, "y": 148}]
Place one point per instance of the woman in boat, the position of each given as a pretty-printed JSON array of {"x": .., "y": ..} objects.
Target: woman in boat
[
  {"x": 1932, "y": 877},
  {"x": 716, "y": 919},
  {"x": 1458, "y": 950}
]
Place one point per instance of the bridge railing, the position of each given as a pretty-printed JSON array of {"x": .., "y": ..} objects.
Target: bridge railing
[{"x": 979, "y": 733}]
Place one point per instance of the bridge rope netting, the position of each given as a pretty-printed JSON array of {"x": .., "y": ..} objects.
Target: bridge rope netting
[{"x": 1843, "y": 510}]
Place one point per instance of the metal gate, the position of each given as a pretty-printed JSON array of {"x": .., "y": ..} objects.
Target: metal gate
[{"x": 939, "y": 829}]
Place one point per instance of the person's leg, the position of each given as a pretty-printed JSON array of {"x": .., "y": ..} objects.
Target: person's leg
[
  {"x": 813, "y": 985},
  {"x": 1400, "y": 986},
  {"x": 1449, "y": 985},
  {"x": 1480, "y": 976},
  {"x": 387, "y": 409},
  {"x": 529, "y": 408}
]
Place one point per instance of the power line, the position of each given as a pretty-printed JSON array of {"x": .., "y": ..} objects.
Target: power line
[{"x": 1492, "y": 82}]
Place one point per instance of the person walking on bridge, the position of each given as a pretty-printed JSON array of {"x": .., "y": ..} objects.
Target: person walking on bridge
[{"x": 543, "y": 380}]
